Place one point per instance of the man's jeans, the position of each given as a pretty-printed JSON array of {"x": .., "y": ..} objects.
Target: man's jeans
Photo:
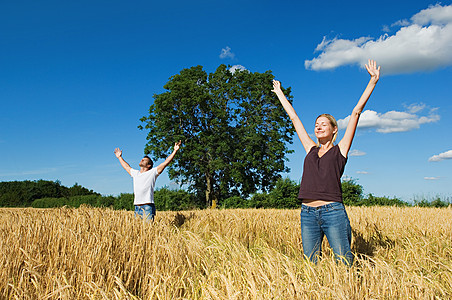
[
  {"x": 330, "y": 220},
  {"x": 146, "y": 211}
]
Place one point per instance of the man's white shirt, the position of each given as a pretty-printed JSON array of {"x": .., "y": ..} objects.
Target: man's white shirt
[{"x": 143, "y": 185}]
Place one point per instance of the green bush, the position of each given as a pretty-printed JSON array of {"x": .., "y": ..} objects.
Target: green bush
[
  {"x": 259, "y": 200},
  {"x": 352, "y": 193},
  {"x": 439, "y": 203},
  {"x": 166, "y": 199},
  {"x": 48, "y": 202},
  {"x": 435, "y": 202},
  {"x": 383, "y": 201},
  {"x": 234, "y": 202},
  {"x": 124, "y": 201},
  {"x": 90, "y": 200},
  {"x": 285, "y": 194}
]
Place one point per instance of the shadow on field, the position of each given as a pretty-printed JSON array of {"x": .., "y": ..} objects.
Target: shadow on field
[
  {"x": 370, "y": 244},
  {"x": 180, "y": 219}
]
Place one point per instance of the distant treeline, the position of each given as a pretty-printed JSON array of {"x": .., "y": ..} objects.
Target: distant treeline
[
  {"x": 48, "y": 194},
  {"x": 23, "y": 193}
]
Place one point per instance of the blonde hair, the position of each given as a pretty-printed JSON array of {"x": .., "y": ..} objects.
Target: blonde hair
[{"x": 333, "y": 123}]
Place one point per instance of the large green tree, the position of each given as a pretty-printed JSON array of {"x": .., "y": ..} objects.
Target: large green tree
[{"x": 233, "y": 128}]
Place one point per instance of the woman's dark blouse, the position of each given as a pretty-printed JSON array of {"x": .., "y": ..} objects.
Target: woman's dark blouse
[{"x": 321, "y": 178}]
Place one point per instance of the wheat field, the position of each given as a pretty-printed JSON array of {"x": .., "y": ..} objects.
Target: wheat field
[{"x": 90, "y": 253}]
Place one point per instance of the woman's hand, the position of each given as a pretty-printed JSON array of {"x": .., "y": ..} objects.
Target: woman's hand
[{"x": 373, "y": 70}]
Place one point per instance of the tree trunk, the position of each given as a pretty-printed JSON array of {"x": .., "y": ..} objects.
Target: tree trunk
[{"x": 208, "y": 190}]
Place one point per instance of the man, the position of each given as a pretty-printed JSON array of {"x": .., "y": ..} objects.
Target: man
[{"x": 144, "y": 181}]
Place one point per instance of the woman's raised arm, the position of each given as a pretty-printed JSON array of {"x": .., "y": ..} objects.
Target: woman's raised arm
[
  {"x": 346, "y": 142},
  {"x": 307, "y": 142}
]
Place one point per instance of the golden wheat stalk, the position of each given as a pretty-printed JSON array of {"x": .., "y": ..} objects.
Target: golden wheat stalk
[{"x": 91, "y": 253}]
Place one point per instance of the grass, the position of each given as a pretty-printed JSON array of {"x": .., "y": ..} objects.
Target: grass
[{"x": 90, "y": 253}]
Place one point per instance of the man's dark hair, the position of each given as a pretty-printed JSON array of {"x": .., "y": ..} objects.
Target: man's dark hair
[{"x": 151, "y": 163}]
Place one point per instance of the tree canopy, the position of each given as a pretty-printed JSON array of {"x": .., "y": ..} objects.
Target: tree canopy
[{"x": 234, "y": 131}]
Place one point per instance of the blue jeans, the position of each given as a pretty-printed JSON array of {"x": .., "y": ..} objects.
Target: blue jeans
[
  {"x": 146, "y": 211},
  {"x": 330, "y": 220}
]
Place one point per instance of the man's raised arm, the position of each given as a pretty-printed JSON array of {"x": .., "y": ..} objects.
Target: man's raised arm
[
  {"x": 124, "y": 164},
  {"x": 163, "y": 165}
]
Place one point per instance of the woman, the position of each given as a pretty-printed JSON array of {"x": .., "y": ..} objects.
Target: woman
[{"x": 322, "y": 209}]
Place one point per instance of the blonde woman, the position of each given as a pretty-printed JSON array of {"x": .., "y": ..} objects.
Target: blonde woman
[{"x": 322, "y": 209}]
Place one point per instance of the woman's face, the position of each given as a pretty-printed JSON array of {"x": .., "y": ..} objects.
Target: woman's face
[{"x": 324, "y": 129}]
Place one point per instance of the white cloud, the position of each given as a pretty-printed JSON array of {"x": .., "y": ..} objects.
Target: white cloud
[
  {"x": 422, "y": 44},
  {"x": 431, "y": 178},
  {"x": 362, "y": 172},
  {"x": 437, "y": 15},
  {"x": 235, "y": 68},
  {"x": 441, "y": 156},
  {"x": 393, "y": 121},
  {"x": 401, "y": 23},
  {"x": 415, "y": 108},
  {"x": 356, "y": 153},
  {"x": 226, "y": 53}
]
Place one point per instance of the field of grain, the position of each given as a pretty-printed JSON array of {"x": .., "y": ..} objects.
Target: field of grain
[{"x": 87, "y": 253}]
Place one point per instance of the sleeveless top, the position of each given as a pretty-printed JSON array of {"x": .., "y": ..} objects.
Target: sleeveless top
[{"x": 321, "y": 178}]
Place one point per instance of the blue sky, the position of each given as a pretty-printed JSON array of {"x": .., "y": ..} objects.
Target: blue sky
[{"x": 75, "y": 78}]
